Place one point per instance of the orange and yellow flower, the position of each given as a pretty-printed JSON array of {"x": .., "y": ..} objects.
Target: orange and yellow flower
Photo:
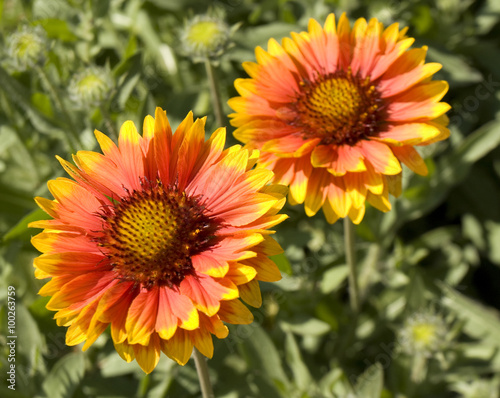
[
  {"x": 336, "y": 110},
  {"x": 158, "y": 237}
]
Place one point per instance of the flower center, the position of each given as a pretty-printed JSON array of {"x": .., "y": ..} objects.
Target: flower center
[
  {"x": 339, "y": 108},
  {"x": 152, "y": 234},
  {"x": 424, "y": 334},
  {"x": 204, "y": 33}
]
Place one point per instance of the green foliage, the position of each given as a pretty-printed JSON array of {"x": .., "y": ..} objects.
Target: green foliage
[{"x": 437, "y": 250}]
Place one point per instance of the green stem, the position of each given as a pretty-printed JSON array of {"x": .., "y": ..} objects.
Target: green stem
[
  {"x": 202, "y": 369},
  {"x": 110, "y": 126},
  {"x": 214, "y": 90},
  {"x": 350, "y": 254},
  {"x": 60, "y": 104}
]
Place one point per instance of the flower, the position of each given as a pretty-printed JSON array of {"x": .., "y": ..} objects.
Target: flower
[
  {"x": 423, "y": 333},
  {"x": 335, "y": 111},
  {"x": 91, "y": 86},
  {"x": 27, "y": 47},
  {"x": 158, "y": 237},
  {"x": 206, "y": 37}
]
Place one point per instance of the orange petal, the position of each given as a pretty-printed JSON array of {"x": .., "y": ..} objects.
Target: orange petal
[
  {"x": 125, "y": 350},
  {"x": 47, "y": 242},
  {"x": 189, "y": 151},
  {"x": 71, "y": 263},
  {"x": 54, "y": 285},
  {"x": 269, "y": 247},
  {"x": 302, "y": 171},
  {"x": 267, "y": 271},
  {"x": 141, "y": 317},
  {"x": 132, "y": 158},
  {"x": 240, "y": 274},
  {"x": 162, "y": 144},
  {"x": 148, "y": 356},
  {"x": 174, "y": 309},
  {"x": 235, "y": 312},
  {"x": 357, "y": 214},
  {"x": 316, "y": 191},
  {"x": 380, "y": 156},
  {"x": 179, "y": 347},
  {"x": 409, "y": 134},
  {"x": 250, "y": 294},
  {"x": 411, "y": 158},
  {"x": 420, "y": 102},
  {"x": 103, "y": 171},
  {"x": 355, "y": 186},
  {"x": 380, "y": 202},
  {"x": 206, "y": 293},
  {"x": 338, "y": 198},
  {"x": 113, "y": 308},
  {"x": 81, "y": 290},
  {"x": 330, "y": 214},
  {"x": 77, "y": 332},
  {"x": 202, "y": 340},
  {"x": 216, "y": 327}
]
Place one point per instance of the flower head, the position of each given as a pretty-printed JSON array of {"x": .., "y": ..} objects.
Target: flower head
[
  {"x": 205, "y": 37},
  {"x": 158, "y": 237},
  {"x": 27, "y": 48},
  {"x": 91, "y": 86},
  {"x": 336, "y": 110},
  {"x": 423, "y": 333}
]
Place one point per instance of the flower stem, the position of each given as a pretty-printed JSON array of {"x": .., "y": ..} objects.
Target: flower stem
[
  {"x": 350, "y": 254},
  {"x": 108, "y": 122},
  {"x": 214, "y": 90},
  {"x": 202, "y": 369}
]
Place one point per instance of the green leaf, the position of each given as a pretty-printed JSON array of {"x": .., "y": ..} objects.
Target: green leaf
[
  {"x": 479, "y": 321},
  {"x": 57, "y": 29},
  {"x": 113, "y": 365},
  {"x": 131, "y": 69},
  {"x": 18, "y": 94},
  {"x": 473, "y": 230},
  {"x": 259, "y": 36},
  {"x": 307, "y": 327},
  {"x": 493, "y": 231},
  {"x": 65, "y": 376},
  {"x": 20, "y": 230},
  {"x": 478, "y": 144},
  {"x": 457, "y": 70},
  {"x": 333, "y": 278},
  {"x": 262, "y": 353},
  {"x": 371, "y": 383},
  {"x": 301, "y": 374},
  {"x": 42, "y": 103},
  {"x": 451, "y": 171},
  {"x": 32, "y": 343},
  {"x": 282, "y": 262},
  {"x": 328, "y": 382},
  {"x": 488, "y": 15}
]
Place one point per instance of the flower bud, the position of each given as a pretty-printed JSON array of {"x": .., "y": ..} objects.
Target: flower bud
[
  {"x": 90, "y": 87},
  {"x": 27, "y": 47}
]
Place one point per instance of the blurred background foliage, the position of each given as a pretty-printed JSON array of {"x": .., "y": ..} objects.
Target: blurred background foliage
[{"x": 429, "y": 269}]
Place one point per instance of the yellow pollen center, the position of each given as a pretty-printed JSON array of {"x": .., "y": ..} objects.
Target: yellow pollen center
[
  {"x": 204, "y": 33},
  {"x": 152, "y": 235},
  {"x": 91, "y": 82},
  {"x": 424, "y": 334},
  {"x": 339, "y": 108},
  {"x": 335, "y": 100}
]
